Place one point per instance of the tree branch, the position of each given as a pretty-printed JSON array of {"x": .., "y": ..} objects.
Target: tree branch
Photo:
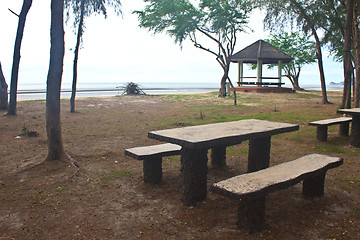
[{"x": 13, "y": 12}]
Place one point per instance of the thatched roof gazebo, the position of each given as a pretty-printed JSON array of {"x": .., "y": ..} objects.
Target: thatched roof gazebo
[{"x": 260, "y": 53}]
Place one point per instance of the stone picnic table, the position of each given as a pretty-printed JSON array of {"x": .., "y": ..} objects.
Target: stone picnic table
[
  {"x": 196, "y": 140},
  {"x": 355, "y": 125}
]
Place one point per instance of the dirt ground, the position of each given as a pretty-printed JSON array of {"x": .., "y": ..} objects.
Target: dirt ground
[{"x": 106, "y": 197}]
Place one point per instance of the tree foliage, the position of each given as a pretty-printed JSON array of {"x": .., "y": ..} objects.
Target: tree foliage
[
  {"x": 210, "y": 22},
  {"x": 306, "y": 15},
  {"x": 300, "y": 48}
]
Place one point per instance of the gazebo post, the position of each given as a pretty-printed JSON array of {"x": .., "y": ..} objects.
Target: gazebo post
[
  {"x": 279, "y": 72},
  {"x": 259, "y": 71},
  {"x": 240, "y": 72}
]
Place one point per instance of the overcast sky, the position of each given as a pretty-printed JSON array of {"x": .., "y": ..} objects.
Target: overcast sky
[{"x": 117, "y": 50}]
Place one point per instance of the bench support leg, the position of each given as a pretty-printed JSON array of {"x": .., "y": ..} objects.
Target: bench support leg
[
  {"x": 194, "y": 175},
  {"x": 259, "y": 154},
  {"x": 152, "y": 170},
  {"x": 355, "y": 131},
  {"x": 251, "y": 214},
  {"x": 314, "y": 187},
  {"x": 218, "y": 157},
  {"x": 344, "y": 129},
  {"x": 322, "y": 133}
]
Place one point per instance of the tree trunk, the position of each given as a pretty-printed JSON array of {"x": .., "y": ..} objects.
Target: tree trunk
[
  {"x": 76, "y": 56},
  {"x": 3, "y": 91},
  {"x": 357, "y": 56},
  {"x": 346, "y": 101},
  {"x": 321, "y": 68},
  {"x": 16, "y": 58},
  {"x": 318, "y": 51},
  {"x": 226, "y": 68},
  {"x": 234, "y": 91},
  {"x": 53, "y": 126}
]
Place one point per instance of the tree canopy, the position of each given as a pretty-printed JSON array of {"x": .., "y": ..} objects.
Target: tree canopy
[
  {"x": 209, "y": 22},
  {"x": 300, "y": 48}
]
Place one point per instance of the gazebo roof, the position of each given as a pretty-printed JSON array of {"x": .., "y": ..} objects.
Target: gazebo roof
[{"x": 263, "y": 51}]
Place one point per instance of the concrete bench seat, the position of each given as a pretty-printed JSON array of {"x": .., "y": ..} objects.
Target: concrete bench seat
[
  {"x": 152, "y": 159},
  {"x": 322, "y": 127},
  {"x": 250, "y": 189}
]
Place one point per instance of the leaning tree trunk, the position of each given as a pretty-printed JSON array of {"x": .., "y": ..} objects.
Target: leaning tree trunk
[
  {"x": 76, "y": 56},
  {"x": 346, "y": 102},
  {"x": 3, "y": 91},
  {"x": 321, "y": 68},
  {"x": 53, "y": 126},
  {"x": 357, "y": 56},
  {"x": 16, "y": 58},
  {"x": 318, "y": 51},
  {"x": 222, "y": 90}
]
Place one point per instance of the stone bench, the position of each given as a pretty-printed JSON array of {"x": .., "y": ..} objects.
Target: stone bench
[
  {"x": 250, "y": 189},
  {"x": 152, "y": 159},
  {"x": 322, "y": 127}
]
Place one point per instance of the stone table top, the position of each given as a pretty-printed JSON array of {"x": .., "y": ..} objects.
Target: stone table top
[
  {"x": 352, "y": 111},
  {"x": 218, "y": 134}
]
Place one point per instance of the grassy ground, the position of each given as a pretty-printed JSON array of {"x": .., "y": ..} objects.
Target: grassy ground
[{"x": 107, "y": 198}]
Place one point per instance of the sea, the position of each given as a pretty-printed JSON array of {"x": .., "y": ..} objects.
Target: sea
[{"x": 38, "y": 91}]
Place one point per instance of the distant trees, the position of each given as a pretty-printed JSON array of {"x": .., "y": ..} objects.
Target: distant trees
[
  {"x": 16, "y": 58},
  {"x": 216, "y": 20},
  {"x": 53, "y": 125},
  {"x": 80, "y": 10},
  {"x": 3, "y": 91},
  {"x": 300, "y": 48}
]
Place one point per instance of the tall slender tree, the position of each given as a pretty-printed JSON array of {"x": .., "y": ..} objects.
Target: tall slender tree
[
  {"x": 81, "y": 9},
  {"x": 3, "y": 91},
  {"x": 16, "y": 58},
  {"x": 347, "y": 54},
  {"x": 303, "y": 14},
  {"x": 54, "y": 78},
  {"x": 356, "y": 52}
]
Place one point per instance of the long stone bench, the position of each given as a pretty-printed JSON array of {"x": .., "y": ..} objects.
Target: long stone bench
[
  {"x": 152, "y": 159},
  {"x": 250, "y": 189},
  {"x": 322, "y": 127}
]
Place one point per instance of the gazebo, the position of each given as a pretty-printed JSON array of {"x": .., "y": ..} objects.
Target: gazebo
[{"x": 260, "y": 53}]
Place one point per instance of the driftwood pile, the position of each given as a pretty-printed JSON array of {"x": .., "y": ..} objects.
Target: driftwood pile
[{"x": 132, "y": 89}]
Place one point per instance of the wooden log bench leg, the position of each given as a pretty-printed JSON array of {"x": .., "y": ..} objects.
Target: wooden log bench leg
[
  {"x": 194, "y": 176},
  {"x": 314, "y": 186},
  {"x": 322, "y": 133},
  {"x": 259, "y": 154},
  {"x": 344, "y": 129},
  {"x": 152, "y": 170},
  {"x": 218, "y": 157},
  {"x": 251, "y": 214},
  {"x": 355, "y": 132}
]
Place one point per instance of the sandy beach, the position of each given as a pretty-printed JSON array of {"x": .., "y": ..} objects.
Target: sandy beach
[{"x": 106, "y": 197}]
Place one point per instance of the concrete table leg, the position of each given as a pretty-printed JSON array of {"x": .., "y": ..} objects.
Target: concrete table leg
[
  {"x": 251, "y": 214},
  {"x": 322, "y": 133},
  {"x": 355, "y": 131},
  {"x": 194, "y": 175},
  {"x": 344, "y": 129},
  {"x": 218, "y": 157},
  {"x": 314, "y": 187},
  {"x": 259, "y": 154},
  {"x": 152, "y": 170}
]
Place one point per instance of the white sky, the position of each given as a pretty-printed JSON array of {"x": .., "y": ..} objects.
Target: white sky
[{"x": 117, "y": 50}]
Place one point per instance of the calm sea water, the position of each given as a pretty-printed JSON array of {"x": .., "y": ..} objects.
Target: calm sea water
[{"x": 37, "y": 91}]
